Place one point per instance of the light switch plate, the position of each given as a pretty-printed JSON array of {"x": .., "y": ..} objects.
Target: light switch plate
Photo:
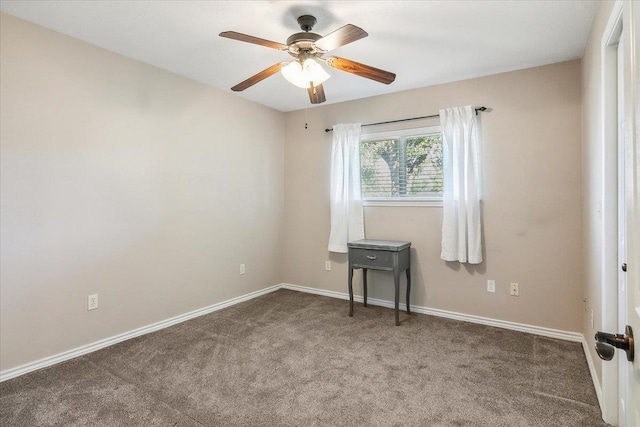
[{"x": 491, "y": 285}]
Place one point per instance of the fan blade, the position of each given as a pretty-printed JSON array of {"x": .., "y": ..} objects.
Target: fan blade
[
  {"x": 343, "y": 35},
  {"x": 258, "y": 77},
  {"x": 360, "y": 69},
  {"x": 255, "y": 40},
  {"x": 316, "y": 94}
]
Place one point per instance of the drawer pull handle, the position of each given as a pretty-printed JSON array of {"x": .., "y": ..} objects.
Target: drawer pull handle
[{"x": 371, "y": 256}]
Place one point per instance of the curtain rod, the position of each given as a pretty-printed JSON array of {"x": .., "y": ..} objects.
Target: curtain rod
[{"x": 408, "y": 120}]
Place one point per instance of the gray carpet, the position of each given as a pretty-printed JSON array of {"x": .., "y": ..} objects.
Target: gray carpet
[{"x": 294, "y": 359}]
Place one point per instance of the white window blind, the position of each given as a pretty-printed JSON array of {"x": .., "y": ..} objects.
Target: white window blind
[{"x": 402, "y": 165}]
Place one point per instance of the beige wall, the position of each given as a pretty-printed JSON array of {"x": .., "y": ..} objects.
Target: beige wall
[
  {"x": 532, "y": 199},
  {"x": 125, "y": 180},
  {"x": 149, "y": 189}
]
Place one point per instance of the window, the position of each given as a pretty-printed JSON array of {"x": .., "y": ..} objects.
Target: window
[{"x": 402, "y": 167}]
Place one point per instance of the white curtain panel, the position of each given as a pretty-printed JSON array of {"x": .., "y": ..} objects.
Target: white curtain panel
[
  {"x": 347, "y": 215},
  {"x": 461, "y": 229}
]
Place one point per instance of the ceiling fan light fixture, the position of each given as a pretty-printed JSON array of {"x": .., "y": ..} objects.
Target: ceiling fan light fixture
[{"x": 304, "y": 73}]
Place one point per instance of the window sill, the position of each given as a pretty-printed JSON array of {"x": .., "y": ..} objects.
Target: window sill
[{"x": 399, "y": 202}]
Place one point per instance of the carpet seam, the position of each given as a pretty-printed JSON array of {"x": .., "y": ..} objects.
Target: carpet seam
[
  {"x": 536, "y": 373},
  {"x": 146, "y": 391},
  {"x": 564, "y": 399}
]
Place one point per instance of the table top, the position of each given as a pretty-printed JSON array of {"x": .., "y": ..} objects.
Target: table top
[{"x": 385, "y": 245}]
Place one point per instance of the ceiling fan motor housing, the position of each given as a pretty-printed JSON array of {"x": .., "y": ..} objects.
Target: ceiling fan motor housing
[
  {"x": 303, "y": 40},
  {"x": 307, "y": 22}
]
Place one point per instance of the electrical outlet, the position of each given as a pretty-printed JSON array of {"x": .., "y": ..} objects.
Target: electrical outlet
[
  {"x": 242, "y": 269},
  {"x": 327, "y": 265},
  {"x": 515, "y": 290},
  {"x": 491, "y": 285},
  {"x": 92, "y": 302}
]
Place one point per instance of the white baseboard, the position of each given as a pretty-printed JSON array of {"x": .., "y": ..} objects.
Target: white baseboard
[
  {"x": 537, "y": 330},
  {"x": 89, "y": 348}
]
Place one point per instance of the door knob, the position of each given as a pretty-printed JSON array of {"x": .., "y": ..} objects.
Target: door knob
[{"x": 607, "y": 343}]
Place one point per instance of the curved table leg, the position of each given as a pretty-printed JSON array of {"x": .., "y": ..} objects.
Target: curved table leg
[
  {"x": 396, "y": 279},
  {"x": 364, "y": 285},
  {"x": 350, "y": 292},
  {"x": 408, "y": 289}
]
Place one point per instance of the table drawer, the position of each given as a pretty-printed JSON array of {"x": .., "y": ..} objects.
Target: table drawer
[{"x": 381, "y": 260}]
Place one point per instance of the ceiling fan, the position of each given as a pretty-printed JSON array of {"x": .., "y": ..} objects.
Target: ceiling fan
[{"x": 308, "y": 48}]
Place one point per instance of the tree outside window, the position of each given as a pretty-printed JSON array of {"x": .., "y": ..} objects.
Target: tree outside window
[{"x": 402, "y": 166}]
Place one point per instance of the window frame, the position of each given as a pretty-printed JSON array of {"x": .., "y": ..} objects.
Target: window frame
[{"x": 431, "y": 201}]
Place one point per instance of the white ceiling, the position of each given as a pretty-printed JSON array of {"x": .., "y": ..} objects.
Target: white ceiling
[{"x": 423, "y": 42}]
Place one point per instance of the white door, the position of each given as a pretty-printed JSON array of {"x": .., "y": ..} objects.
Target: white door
[
  {"x": 630, "y": 371},
  {"x": 623, "y": 32},
  {"x": 622, "y": 233}
]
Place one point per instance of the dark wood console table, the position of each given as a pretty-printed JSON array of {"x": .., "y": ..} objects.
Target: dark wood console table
[{"x": 386, "y": 255}]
